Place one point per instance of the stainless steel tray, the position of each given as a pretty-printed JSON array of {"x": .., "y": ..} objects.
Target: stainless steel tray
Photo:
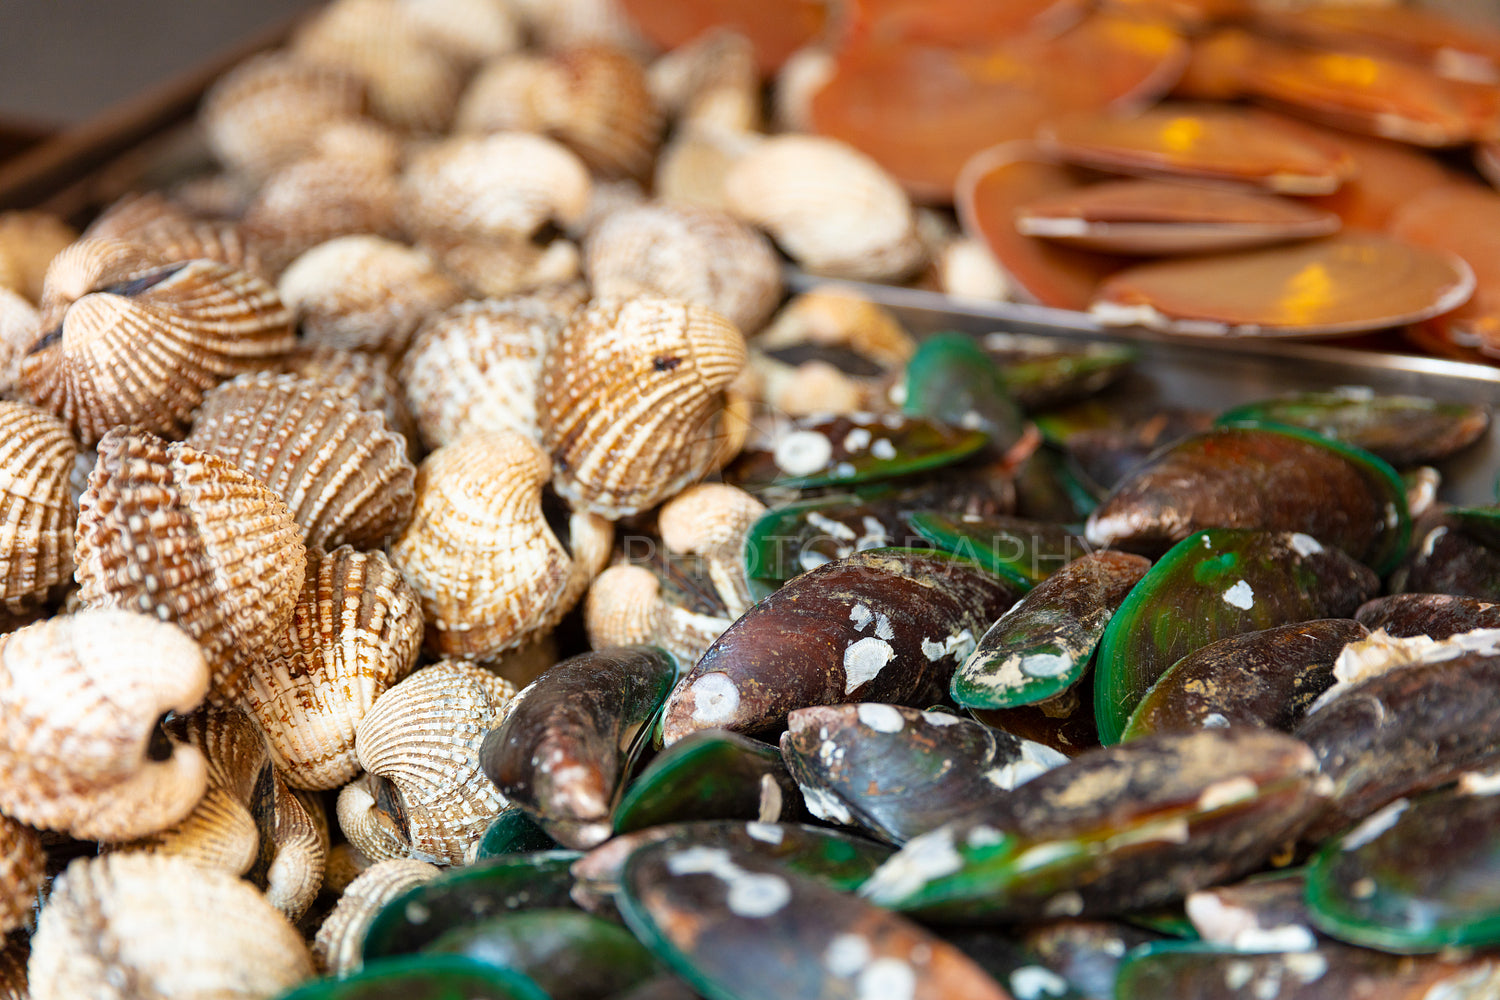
[{"x": 1218, "y": 374}]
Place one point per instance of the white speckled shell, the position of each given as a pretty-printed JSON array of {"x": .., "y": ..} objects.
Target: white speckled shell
[
  {"x": 36, "y": 540},
  {"x": 342, "y": 934},
  {"x": 210, "y": 935},
  {"x": 22, "y": 865},
  {"x": 833, "y": 209},
  {"x": 363, "y": 377},
  {"x": 506, "y": 184},
  {"x": 20, "y": 326},
  {"x": 171, "y": 233},
  {"x": 319, "y": 199}
]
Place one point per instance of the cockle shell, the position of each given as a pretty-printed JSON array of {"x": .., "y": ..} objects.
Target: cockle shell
[
  {"x": 319, "y": 199},
  {"x": 28, "y": 242},
  {"x": 505, "y": 184},
  {"x": 14, "y": 953},
  {"x": 124, "y": 341},
  {"x": 343, "y": 474},
  {"x": 478, "y": 367},
  {"x": 79, "y": 700},
  {"x": 692, "y": 167},
  {"x": 802, "y": 75},
  {"x": 342, "y": 934},
  {"x": 20, "y": 324},
  {"x": 22, "y": 865},
  {"x": 363, "y": 377},
  {"x": 425, "y": 796},
  {"x": 295, "y": 875},
  {"x": 711, "y": 82},
  {"x": 185, "y": 536},
  {"x": 496, "y": 267},
  {"x": 356, "y": 631},
  {"x": 468, "y": 31},
  {"x": 173, "y": 234},
  {"x": 833, "y": 209},
  {"x": 364, "y": 292},
  {"x": 566, "y": 24},
  {"x": 712, "y": 520},
  {"x": 148, "y": 927},
  {"x": 490, "y": 571},
  {"x": 682, "y": 252},
  {"x": 345, "y": 864},
  {"x": 626, "y": 607},
  {"x": 269, "y": 110},
  {"x": 36, "y": 543},
  {"x": 633, "y": 401}
]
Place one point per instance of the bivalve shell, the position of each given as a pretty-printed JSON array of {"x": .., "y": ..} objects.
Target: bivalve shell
[
  {"x": 144, "y": 927},
  {"x": 364, "y": 292},
  {"x": 634, "y": 401},
  {"x": 495, "y": 267},
  {"x": 173, "y": 234},
  {"x": 20, "y": 323},
  {"x": 127, "y": 341},
  {"x": 319, "y": 199},
  {"x": 79, "y": 700},
  {"x": 186, "y": 537},
  {"x": 833, "y": 209},
  {"x": 363, "y": 377},
  {"x": 467, "y": 31},
  {"x": 343, "y": 474},
  {"x": 342, "y": 934},
  {"x": 425, "y": 796},
  {"x": 28, "y": 242},
  {"x": 356, "y": 631},
  {"x": 711, "y": 82},
  {"x": 36, "y": 543},
  {"x": 22, "y": 865}
]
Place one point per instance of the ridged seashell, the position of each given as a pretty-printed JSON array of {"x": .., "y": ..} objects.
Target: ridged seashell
[
  {"x": 22, "y": 866},
  {"x": 151, "y": 927},
  {"x": 20, "y": 324},
  {"x": 567, "y": 24},
  {"x": 965, "y": 268},
  {"x": 295, "y": 875},
  {"x": 364, "y": 292},
  {"x": 681, "y": 252},
  {"x": 345, "y": 864},
  {"x": 184, "y": 536},
  {"x": 363, "y": 141},
  {"x": 490, "y": 571},
  {"x": 269, "y": 110},
  {"x": 132, "y": 345},
  {"x": 216, "y": 195},
  {"x": 477, "y": 367},
  {"x": 172, "y": 234},
  {"x": 711, "y": 521},
  {"x": 344, "y": 475},
  {"x": 319, "y": 199},
  {"x": 410, "y": 84},
  {"x": 594, "y": 99},
  {"x": 424, "y": 795},
  {"x": 831, "y": 317},
  {"x": 626, "y": 607},
  {"x": 833, "y": 209},
  {"x": 342, "y": 934},
  {"x": 505, "y": 184},
  {"x": 28, "y": 242},
  {"x": 79, "y": 699},
  {"x": 468, "y": 31},
  {"x": 36, "y": 548},
  {"x": 356, "y": 631},
  {"x": 633, "y": 401},
  {"x": 363, "y": 377},
  {"x": 710, "y": 82},
  {"x": 497, "y": 267},
  {"x": 14, "y": 953},
  {"x": 524, "y": 665},
  {"x": 693, "y": 166}
]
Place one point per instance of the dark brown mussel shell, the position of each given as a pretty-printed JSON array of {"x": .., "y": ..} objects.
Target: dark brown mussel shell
[
  {"x": 900, "y": 772},
  {"x": 1263, "y": 479},
  {"x": 1212, "y": 585},
  {"x": 1265, "y": 912},
  {"x": 1086, "y": 953},
  {"x": 712, "y": 774},
  {"x": 1049, "y": 487},
  {"x": 1065, "y": 722},
  {"x": 566, "y": 747},
  {"x": 1114, "y": 830},
  {"x": 1265, "y": 678},
  {"x": 1455, "y": 554},
  {"x": 423, "y": 977},
  {"x": 1023, "y": 551},
  {"x": 1044, "y": 643},
  {"x": 953, "y": 381},
  {"x": 885, "y": 625},
  {"x": 1008, "y": 960},
  {"x": 706, "y": 913},
  {"x": 1040, "y": 372},
  {"x": 1435, "y": 615},
  {"x": 1107, "y": 442}
]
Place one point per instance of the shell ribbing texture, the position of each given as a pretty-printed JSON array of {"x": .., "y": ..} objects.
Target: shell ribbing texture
[
  {"x": 22, "y": 865},
  {"x": 37, "y": 515},
  {"x": 173, "y": 234},
  {"x": 300, "y": 853},
  {"x": 13, "y": 957},
  {"x": 316, "y": 200},
  {"x": 365, "y": 378},
  {"x": 342, "y": 935},
  {"x": 344, "y": 476},
  {"x": 174, "y": 533}
]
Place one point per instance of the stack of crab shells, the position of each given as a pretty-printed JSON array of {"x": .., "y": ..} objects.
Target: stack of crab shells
[{"x": 301, "y": 463}]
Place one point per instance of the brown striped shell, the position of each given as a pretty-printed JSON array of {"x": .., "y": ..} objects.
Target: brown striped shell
[
  {"x": 318, "y": 199},
  {"x": 79, "y": 699},
  {"x": 36, "y": 461},
  {"x": 14, "y": 953},
  {"x": 345, "y": 864},
  {"x": 300, "y": 833},
  {"x": 153, "y": 927},
  {"x": 125, "y": 341},
  {"x": 633, "y": 401},
  {"x": 499, "y": 266},
  {"x": 343, "y": 474},
  {"x": 173, "y": 234},
  {"x": 477, "y": 367},
  {"x": 22, "y": 865},
  {"x": 28, "y": 242},
  {"x": 364, "y": 378},
  {"x": 424, "y": 795},
  {"x": 174, "y": 533},
  {"x": 831, "y": 208},
  {"x": 490, "y": 571},
  {"x": 681, "y": 252},
  {"x": 626, "y": 607},
  {"x": 565, "y": 24},
  {"x": 342, "y": 934},
  {"x": 269, "y": 110},
  {"x": 356, "y": 631},
  {"x": 20, "y": 322},
  {"x": 506, "y": 184},
  {"x": 364, "y": 292}
]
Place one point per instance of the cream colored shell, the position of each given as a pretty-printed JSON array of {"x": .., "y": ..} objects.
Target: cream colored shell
[
  {"x": 800, "y": 78},
  {"x": 151, "y": 927},
  {"x": 22, "y": 865},
  {"x": 343, "y": 474},
  {"x": 420, "y": 745},
  {"x": 174, "y": 533},
  {"x": 356, "y": 631},
  {"x": 364, "y": 292},
  {"x": 626, "y": 607},
  {"x": 694, "y": 165},
  {"x": 711, "y": 521},
  {"x": 833, "y": 209},
  {"x": 499, "y": 266},
  {"x": 20, "y": 327},
  {"x": 319, "y": 199},
  {"x": 173, "y": 234},
  {"x": 633, "y": 401},
  {"x": 478, "y": 367},
  {"x": 467, "y": 31},
  {"x": 295, "y": 875},
  {"x": 79, "y": 699},
  {"x": 711, "y": 82},
  {"x": 36, "y": 537},
  {"x": 565, "y": 24},
  {"x": 342, "y": 934},
  {"x": 345, "y": 864},
  {"x": 506, "y": 184},
  {"x": 28, "y": 242}
]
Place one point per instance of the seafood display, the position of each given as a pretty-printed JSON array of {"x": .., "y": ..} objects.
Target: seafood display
[{"x": 487, "y": 574}]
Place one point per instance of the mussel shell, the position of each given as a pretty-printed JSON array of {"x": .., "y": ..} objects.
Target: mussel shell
[
  {"x": 711, "y": 774},
  {"x": 1041, "y": 372},
  {"x": 1210, "y": 586},
  {"x": 1087, "y": 953},
  {"x": 1023, "y": 552},
  {"x": 1450, "y": 558},
  {"x": 1065, "y": 722},
  {"x": 1265, "y": 912},
  {"x": 790, "y": 540},
  {"x": 424, "y": 977},
  {"x": 1107, "y": 444},
  {"x": 1435, "y": 615},
  {"x": 1011, "y": 962},
  {"x": 513, "y": 831},
  {"x": 565, "y": 749},
  {"x": 952, "y": 380},
  {"x": 1266, "y": 678}
]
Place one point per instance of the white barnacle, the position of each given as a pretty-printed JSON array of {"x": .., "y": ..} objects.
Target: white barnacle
[
  {"x": 925, "y": 858},
  {"x": 1374, "y": 825},
  {"x": 886, "y": 979},
  {"x": 716, "y": 699},
  {"x": 881, "y": 718},
  {"x": 1305, "y": 545},
  {"x": 801, "y": 453},
  {"x": 1240, "y": 595},
  {"x": 754, "y": 895},
  {"x": 1033, "y": 982},
  {"x": 846, "y": 954},
  {"x": 857, "y": 440},
  {"x": 861, "y": 616},
  {"x": 883, "y": 449}
]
